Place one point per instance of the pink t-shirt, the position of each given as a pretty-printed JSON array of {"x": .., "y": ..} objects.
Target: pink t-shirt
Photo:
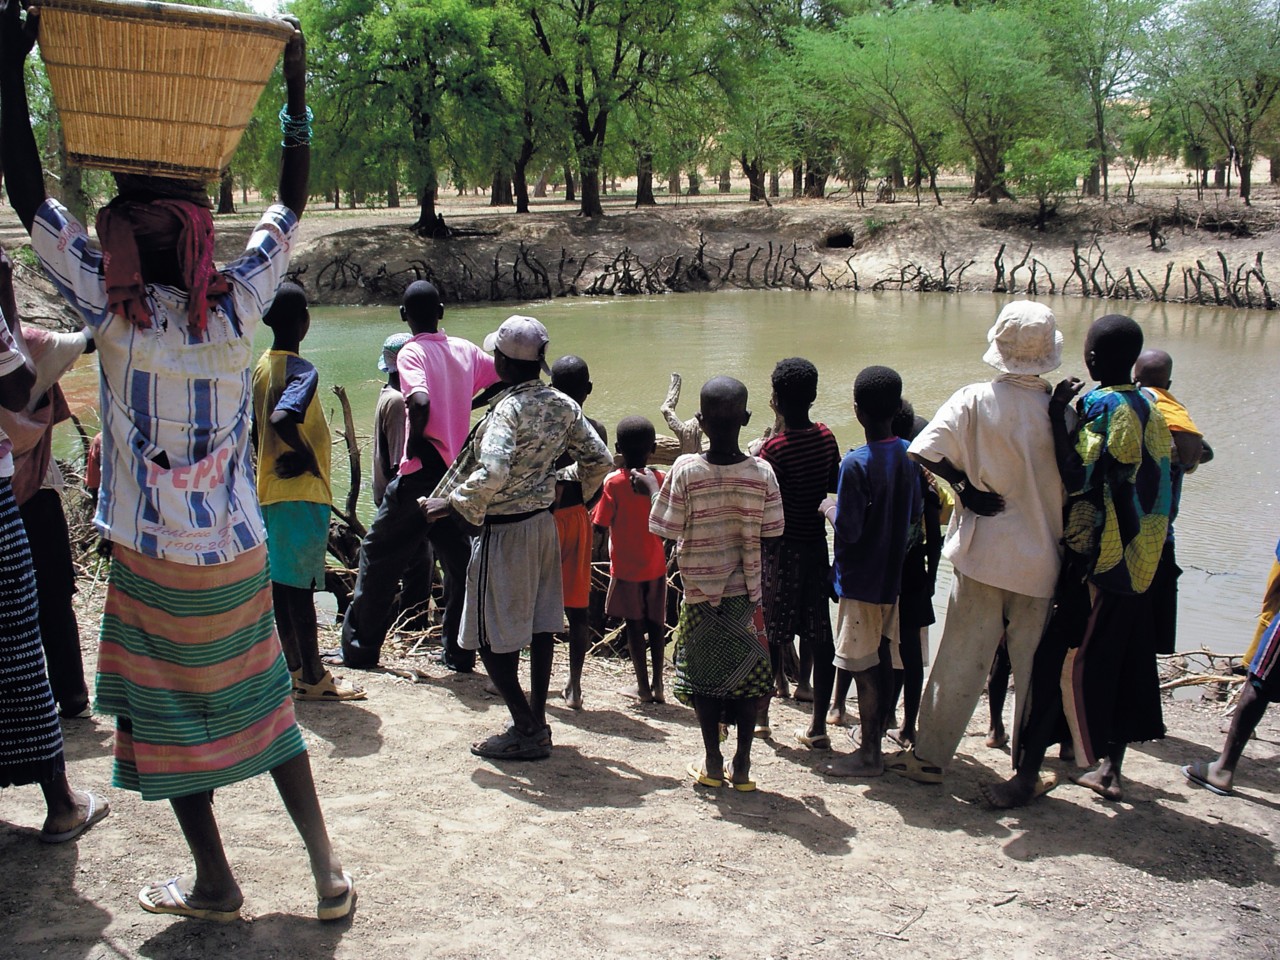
[{"x": 450, "y": 371}]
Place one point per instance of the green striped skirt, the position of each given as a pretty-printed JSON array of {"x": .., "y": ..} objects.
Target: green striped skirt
[
  {"x": 721, "y": 651},
  {"x": 190, "y": 665}
]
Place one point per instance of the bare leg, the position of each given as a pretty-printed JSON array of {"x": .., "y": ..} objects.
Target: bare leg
[
  {"x": 836, "y": 715},
  {"x": 709, "y": 711},
  {"x": 296, "y": 621},
  {"x": 1249, "y": 711},
  {"x": 1105, "y": 780},
  {"x": 824, "y": 676},
  {"x": 579, "y": 642},
  {"x": 298, "y": 791},
  {"x": 804, "y": 689},
  {"x": 504, "y": 672},
  {"x": 746, "y": 711},
  {"x": 214, "y": 886},
  {"x": 542, "y": 651},
  {"x": 657, "y": 657},
  {"x": 638, "y": 647},
  {"x": 997, "y": 690},
  {"x": 65, "y": 809},
  {"x": 281, "y": 605},
  {"x": 867, "y": 760}
]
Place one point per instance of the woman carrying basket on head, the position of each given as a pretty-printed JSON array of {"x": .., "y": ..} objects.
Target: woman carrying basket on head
[{"x": 189, "y": 661}]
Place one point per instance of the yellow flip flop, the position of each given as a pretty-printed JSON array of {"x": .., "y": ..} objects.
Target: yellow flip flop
[{"x": 699, "y": 774}]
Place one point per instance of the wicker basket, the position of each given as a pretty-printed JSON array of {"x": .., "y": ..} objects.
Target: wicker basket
[{"x": 155, "y": 88}]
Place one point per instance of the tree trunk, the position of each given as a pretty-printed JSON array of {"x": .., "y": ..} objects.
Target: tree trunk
[
  {"x": 540, "y": 188},
  {"x": 673, "y": 182},
  {"x": 589, "y": 174},
  {"x": 895, "y": 174},
  {"x": 1093, "y": 181},
  {"x": 644, "y": 180},
  {"x": 393, "y": 194},
  {"x": 1246, "y": 178},
  {"x": 500, "y": 190},
  {"x": 815, "y": 181},
  {"x": 797, "y": 180},
  {"x": 726, "y": 184},
  {"x": 774, "y": 185},
  {"x": 337, "y": 198},
  {"x": 1220, "y": 173},
  {"x": 521, "y": 176},
  {"x": 695, "y": 184},
  {"x": 754, "y": 172},
  {"x": 426, "y": 225},
  {"x": 569, "y": 195},
  {"x": 227, "y": 192},
  {"x": 1274, "y": 160}
]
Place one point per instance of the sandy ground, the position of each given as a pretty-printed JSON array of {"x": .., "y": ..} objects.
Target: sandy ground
[{"x": 607, "y": 849}]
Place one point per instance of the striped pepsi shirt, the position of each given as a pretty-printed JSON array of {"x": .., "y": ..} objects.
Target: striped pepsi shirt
[
  {"x": 177, "y": 481},
  {"x": 807, "y": 465}
]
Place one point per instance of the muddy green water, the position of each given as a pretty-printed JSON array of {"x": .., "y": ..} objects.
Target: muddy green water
[{"x": 1225, "y": 364}]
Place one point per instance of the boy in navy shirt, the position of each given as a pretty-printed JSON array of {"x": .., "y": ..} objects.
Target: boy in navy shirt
[{"x": 877, "y": 500}]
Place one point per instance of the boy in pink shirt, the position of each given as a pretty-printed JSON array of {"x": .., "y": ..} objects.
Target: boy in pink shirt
[
  {"x": 637, "y": 563},
  {"x": 439, "y": 377}
]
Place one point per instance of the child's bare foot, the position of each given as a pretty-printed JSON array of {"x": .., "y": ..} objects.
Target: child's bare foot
[
  {"x": 856, "y": 764},
  {"x": 1067, "y": 751},
  {"x": 782, "y": 689},
  {"x": 637, "y": 693},
  {"x": 658, "y": 695},
  {"x": 572, "y": 695},
  {"x": 1102, "y": 781},
  {"x": 836, "y": 717},
  {"x": 905, "y": 737},
  {"x": 803, "y": 693},
  {"x": 997, "y": 738},
  {"x": 1017, "y": 791}
]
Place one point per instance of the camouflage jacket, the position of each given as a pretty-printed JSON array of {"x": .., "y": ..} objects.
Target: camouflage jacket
[{"x": 508, "y": 464}]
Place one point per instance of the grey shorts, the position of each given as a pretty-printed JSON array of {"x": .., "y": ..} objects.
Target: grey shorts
[
  {"x": 514, "y": 585},
  {"x": 859, "y": 627}
]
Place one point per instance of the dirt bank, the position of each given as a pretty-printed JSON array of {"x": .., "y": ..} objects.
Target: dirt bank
[{"x": 1206, "y": 251}]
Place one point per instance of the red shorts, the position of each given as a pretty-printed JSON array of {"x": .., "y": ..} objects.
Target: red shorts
[{"x": 574, "y": 526}]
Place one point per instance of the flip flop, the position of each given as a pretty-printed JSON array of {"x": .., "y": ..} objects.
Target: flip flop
[
  {"x": 178, "y": 906},
  {"x": 821, "y": 742},
  {"x": 746, "y": 786},
  {"x": 98, "y": 809},
  {"x": 328, "y": 688},
  {"x": 1198, "y": 773},
  {"x": 905, "y": 763},
  {"x": 699, "y": 774},
  {"x": 513, "y": 745},
  {"x": 336, "y": 908}
]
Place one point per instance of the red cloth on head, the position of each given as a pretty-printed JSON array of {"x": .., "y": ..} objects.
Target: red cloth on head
[{"x": 185, "y": 226}]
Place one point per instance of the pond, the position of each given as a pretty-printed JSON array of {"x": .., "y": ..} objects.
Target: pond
[{"x": 1229, "y": 523}]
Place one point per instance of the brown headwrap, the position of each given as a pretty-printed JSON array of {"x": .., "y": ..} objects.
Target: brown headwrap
[{"x": 163, "y": 224}]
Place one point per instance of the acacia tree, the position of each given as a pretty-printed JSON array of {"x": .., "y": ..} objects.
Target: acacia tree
[
  {"x": 1099, "y": 47},
  {"x": 415, "y": 58},
  {"x": 1225, "y": 59},
  {"x": 600, "y": 54},
  {"x": 986, "y": 71},
  {"x": 874, "y": 62}
]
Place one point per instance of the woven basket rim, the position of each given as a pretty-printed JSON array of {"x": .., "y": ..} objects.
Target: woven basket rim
[{"x": 174, "y": 15}]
